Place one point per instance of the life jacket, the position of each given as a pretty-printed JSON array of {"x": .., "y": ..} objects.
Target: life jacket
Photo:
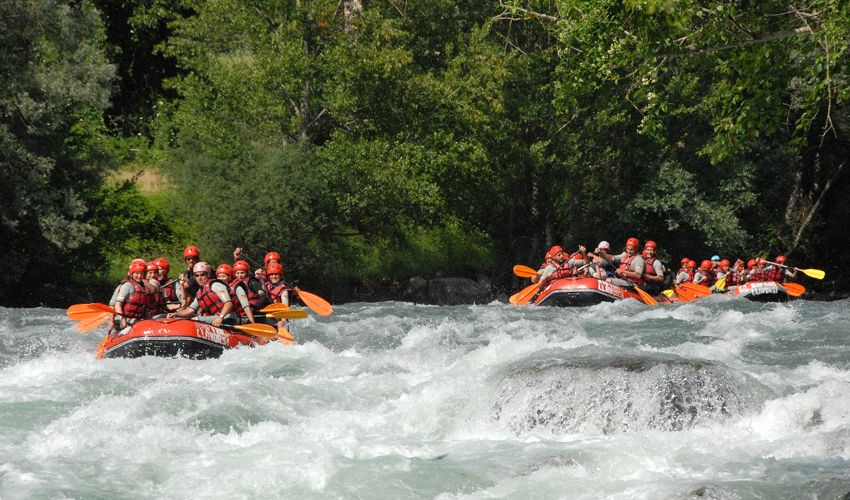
[
  {"x": 156, "y": 302},
  {"x": 210, "y": 303},
  {"x": 136, "y": 305},
  {"x": 760, "y": 275},
  {"x": 648, "y": 268},
  {"x": 276, "y": 292},
  {"x": 168, "y": 290},
  {"x": 564, "y": 270},
  {"x": 237, "y": 304},
  {"x": 709, "y": 277},
  {"x": 626, "y": 265},
  {"x": 776, "y": 274},
  {"x": 255, "y": 299},
  {"x": 691, "y": 273}
]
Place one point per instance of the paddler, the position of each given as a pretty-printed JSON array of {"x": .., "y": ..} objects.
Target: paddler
[
  {"x": 192, "y": 256},
  {"x": 278, "y": 291},
  {"x": 604, "y": 269},
  {"x": 131, "y": 302},
  {"x": 654, "y": 269},
  {"x": 172, "y": 293},
  {"x": 759, "y": 273},
  {"x": 156, "y": 301},
  {"x": 561, "y": 267},
  {"x": 546, "y": 262},
  {"x": 705, "y": 274},
  {"x": 257, "y": 297},
  {"x": 778, "y": 273},
  {"x": 241, "y": 305},
  {"x": 212, "y": 303},
  {"x": 630, "y": 265},
  {"x": 687, "y": 275}
]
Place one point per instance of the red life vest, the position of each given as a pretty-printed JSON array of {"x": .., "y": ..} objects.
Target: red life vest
[
  {"x": 691, "y": 273},
  {"x": 626, "y": 265},
  {"x": 709, "y": 277},
  {"x": 776, "y": 274},
  {"x": 209, "y": 302},
  {"x": 136, "y": 305},
  {"x": 255, "y": 299},
  {"x": 275, "y": 292},
  {"x": 760, "y": 275},
  {"x": 168, "y": 290},
  {"x": 156, "y": 302},
  {"x": 648, "y": 268}
]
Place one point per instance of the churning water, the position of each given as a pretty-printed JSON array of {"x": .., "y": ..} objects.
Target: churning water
[{"x": 720, "y": 399}]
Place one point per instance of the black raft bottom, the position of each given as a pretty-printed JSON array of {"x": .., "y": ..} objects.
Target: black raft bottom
[
  {"x": 577, "y": 299},
  {"x": 165, "y": 347}
]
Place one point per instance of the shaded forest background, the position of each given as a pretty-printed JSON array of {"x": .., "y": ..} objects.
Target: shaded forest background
[{"x": 369, "y": 141}]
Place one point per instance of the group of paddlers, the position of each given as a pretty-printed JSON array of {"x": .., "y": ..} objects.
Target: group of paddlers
[
  {"x": 233, "y": 295},
  {"x": 643, "y": 270}
]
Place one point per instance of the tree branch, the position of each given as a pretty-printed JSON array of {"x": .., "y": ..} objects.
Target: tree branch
[{"x": 804, "y": 30}]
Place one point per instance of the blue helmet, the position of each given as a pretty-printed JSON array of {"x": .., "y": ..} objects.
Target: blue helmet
[{"x": 715, "y": 257}]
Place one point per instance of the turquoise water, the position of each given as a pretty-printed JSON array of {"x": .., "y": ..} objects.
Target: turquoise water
[{"x": 720, "y": 398}]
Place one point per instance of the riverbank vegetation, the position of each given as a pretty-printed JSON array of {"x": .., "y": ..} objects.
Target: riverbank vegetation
[{"x": 370, "y": 141}]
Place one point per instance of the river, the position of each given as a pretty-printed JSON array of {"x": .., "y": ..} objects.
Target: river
[{"x": 720, "y": 398}]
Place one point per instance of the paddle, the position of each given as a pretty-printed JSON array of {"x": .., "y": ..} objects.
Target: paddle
[
  {"x": 255, "y": 329},
  {"x": 645, "y": 297},
  {"x": 525, "y": 271},
  {"x": 696, "y": 289},
  {"x": 291, "y": 314},
  {"x": 92, "y": 322},
  {"x": 284, "y": 336},
  {"x": 811, "y": 273},
  {"x": 274, "y": 308},
  {"x": 794, "y": 289},
  {"x": 683, "y": 294},
  {"x": 319, "y": 305},
  {"x": 525, "y": 294}
]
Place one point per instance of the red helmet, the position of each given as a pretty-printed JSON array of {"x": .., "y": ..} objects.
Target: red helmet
[
  {"x": 555, "y": 250},
  {"x": 272, "y": 255},
  {"x": 632, "y": 242},
  {"x": 191, "y": 251},
  {"x": 548, "y": 256},
  {"x": 241, "y": 265},
  {"x": 650, "y": 243},
  {"x": 706, "y": 264},
  {"x": 274, "y": 269},
  {"x": 163, "y": 263},
  {"x": 151, "y": 266},
  {"x": 224, "y": 269},
  {"x": 137, "y": 265},
  {"x": 685, "y": 262},
  {"x": 692, "y": 264},
  {"x": 751, "y": 263},
  {"x": 780, "y": 259},
  {"x": 724, "y": 263},
  {"x": 762, "y": 261}
]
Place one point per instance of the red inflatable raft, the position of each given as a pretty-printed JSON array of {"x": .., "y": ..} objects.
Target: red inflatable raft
[
  {"x": 761, "y": 291},
  {"x": 577, "y": 292},
  {"x": 173, "y": 337}
]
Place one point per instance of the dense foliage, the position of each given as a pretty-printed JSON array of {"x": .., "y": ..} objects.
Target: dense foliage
[{"x": 377, "y": 140}]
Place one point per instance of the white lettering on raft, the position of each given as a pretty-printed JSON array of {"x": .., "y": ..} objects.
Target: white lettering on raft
[
  {"x": 213, "y": 334},
  {"x": 609, "y": 288},
  {"x": 762, "y": 288}
]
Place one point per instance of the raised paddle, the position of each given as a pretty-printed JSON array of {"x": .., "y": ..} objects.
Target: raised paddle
[
  {"x": 811, "y": 273},
  {"x": 319, "y": 305},
  {"x": 525, "y": 271},
  {"x": 794, "y": 289}
]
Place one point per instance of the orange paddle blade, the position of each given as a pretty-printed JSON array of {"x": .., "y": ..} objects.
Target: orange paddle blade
[
  {"x": 684, "y": 295},
  {"x": 284, "y": 336},
  {"x": 274, "y": 308},
  {"x": 93, "y": 322},
  {"x": 794, "y": 289},
  {"x": 258, "y": 330},
  {"x": 528, "y": 293},
  {"x": 515, "y": 297},
  {"x": 319, "y": 305},
  {"x": 78, "y": 311},
  {"x": 698, "y": 290},
  {"x": 524, "y": 271},
  {"x": 646, "y": 298}
]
